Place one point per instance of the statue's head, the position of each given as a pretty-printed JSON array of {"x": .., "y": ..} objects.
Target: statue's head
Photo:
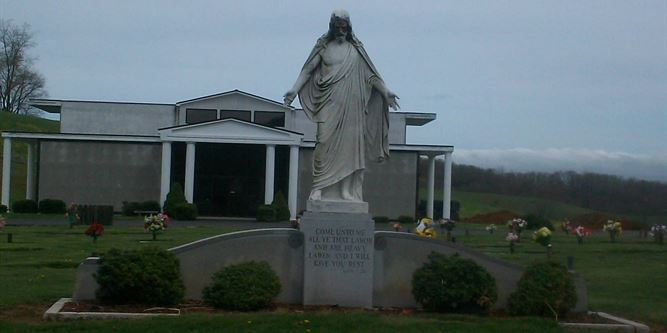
[{"x": 340, "y": 26}]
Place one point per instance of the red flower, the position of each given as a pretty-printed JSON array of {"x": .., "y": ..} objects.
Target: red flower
[{"x": 95, "y": 230}]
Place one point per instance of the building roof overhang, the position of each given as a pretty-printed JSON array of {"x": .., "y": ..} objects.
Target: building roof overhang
[{"x": 230, "y": 131}]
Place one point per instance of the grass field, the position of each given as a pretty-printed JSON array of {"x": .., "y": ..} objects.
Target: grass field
[{"x": 627, "y": 278}]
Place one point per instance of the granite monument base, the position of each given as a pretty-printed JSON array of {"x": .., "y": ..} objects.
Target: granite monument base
[{"x": 338, "y": 259}]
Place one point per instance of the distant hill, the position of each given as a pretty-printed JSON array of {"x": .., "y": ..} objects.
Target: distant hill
[
  {"x": 20, "y": 123},
  {"x": 595, "y": 192}
]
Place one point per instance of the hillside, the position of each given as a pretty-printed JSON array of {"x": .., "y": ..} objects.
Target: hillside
[{"x": 21, "y": 123}]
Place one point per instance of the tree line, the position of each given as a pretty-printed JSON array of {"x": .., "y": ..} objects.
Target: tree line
[{"x": 600, "y": 192}]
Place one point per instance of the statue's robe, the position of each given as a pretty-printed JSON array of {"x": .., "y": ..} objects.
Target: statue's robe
[{"x": 352, "y": 117}]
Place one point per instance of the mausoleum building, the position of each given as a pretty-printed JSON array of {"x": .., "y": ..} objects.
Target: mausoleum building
[{"x": 231, "y": 152}]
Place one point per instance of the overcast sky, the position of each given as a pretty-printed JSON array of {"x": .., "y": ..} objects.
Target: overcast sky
[{"x": 518, "y": 85}]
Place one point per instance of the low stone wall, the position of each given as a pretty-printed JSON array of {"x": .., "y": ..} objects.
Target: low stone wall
[{"x": 397, "y": 255}]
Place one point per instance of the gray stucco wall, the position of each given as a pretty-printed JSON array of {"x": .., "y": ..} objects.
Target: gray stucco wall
[
  {"x": 115, "y": 118},
  {"x": 118, "y": 171},
  {"x": 394, "y": 183},
  {"x": 396, "y": 127}
]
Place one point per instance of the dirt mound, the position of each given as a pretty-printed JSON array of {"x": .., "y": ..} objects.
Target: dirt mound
[{"x": 498, "y": 217}]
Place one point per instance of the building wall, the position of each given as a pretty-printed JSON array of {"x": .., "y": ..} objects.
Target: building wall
[
  {"x": 115, "y": 118},
  {"x": 389, "y": 188},
  {"x": 99, "y": 173},
  {"x": 396, "y": 127}
]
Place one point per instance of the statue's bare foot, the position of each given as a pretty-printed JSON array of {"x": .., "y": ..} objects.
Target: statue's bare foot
[{"x": 315, "y": 195}]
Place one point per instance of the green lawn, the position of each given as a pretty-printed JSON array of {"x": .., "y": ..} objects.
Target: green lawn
[{"x": 627, "y": 279}]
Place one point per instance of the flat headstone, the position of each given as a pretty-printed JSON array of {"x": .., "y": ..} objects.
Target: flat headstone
[{"x": 338, "y": 259}]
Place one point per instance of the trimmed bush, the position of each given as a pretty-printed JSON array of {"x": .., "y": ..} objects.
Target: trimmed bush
[
  {"x": 3, "y": 209},
  {"x": 266, "y": 213},
  {"x": 281, "y": 208},
  {"x": 129, "y": 208},
  {"x": 541, "y": 284},
  {"x": 405, "y": 219},
  {"x": 536, "y": 222},
  {"x": 149, "y": 276},
  {"x": 381, "y": 219},
  {"x": 174, "y": 197},
  {"x": 184, "y": 211},
  {"x": 24, "y": 206},
  {"x": 247, "y": 286},
  {"x": 453, "y": 284},
  {"x": 52, "y": 206},
  {"x": 150, "y": 205}
]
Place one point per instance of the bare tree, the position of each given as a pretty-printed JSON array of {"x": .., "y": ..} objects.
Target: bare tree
[{"x": 18, "y": 80}]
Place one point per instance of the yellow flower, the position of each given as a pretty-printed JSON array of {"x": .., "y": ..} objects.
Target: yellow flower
[{"x": 306, "y": 321}]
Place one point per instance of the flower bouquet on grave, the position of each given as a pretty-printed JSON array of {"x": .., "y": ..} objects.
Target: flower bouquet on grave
[
  {"x": 156, "y": 223},
  {"x": 566, "y": 227},
  {"x": 512, "y": 238},
  {"x": 614, "y": 229},
  {"x": 94, "y": 230},
  {"x": 491, "y": 228},
  {"x": 448, "y": 225},
  {"x": 425, "y": 228},
  {"x": 516, "y": 226},
  {"x": 581, "y": 232},
  {"x": 543, "y": 237},
  {"x": 658, "y": 231}
]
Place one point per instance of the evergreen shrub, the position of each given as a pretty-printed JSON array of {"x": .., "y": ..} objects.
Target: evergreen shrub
[
  {"x": 149, "y": 276},
  {"x": 52, "y": 206},
  {"x": 453, "y": 284},
  {"x": 174, "y": 197},
  {"x": 247, "y": 286},
  {"x": 536, "y": 222},
  {"x": 24, "y": 206},
  {"x": 266, "y": 213},
  {"x": 545, "y": 287},
  {"x": 184, "y": 211},
  {"x": 405, "y": 219},
  {"x": 3, "y": 209},
  {"x": 281, "y": 208},
  {"x": 381, "y": 219}
]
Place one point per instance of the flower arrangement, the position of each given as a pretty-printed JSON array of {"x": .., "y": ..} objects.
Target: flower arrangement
[
  {"x": 396, "y": 226},
  {"x": 614, "y": 229},
  {"x": 491, "y": 228},
  {"x": 95, "y": 230},
  {"x": 543, "y": 237},
  {"x": 566, "y": 227},
  {"x": 516, "y": 226},
  {"x": 581, "y": 232},
  {"x": 2, "y": 222},
  {"x": 511, "y": 237},
  {"x": 425, "y": 228},
  {"x": 658, "y": 231},
  {"x": 156, "y": 223}
]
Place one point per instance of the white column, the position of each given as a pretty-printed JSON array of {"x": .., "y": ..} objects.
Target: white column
[
  {"x": 6, "y": 170},
  {"x": 30, "y": 173},
  {"x": 447, "y": 187},
  {"x": 165, "y": 174},
  {"x": 190, "y": 172},
  {"x": 293, "y": 180},
  {"x": 430, "y": 186},
  {"x": 269, "y": 174}
]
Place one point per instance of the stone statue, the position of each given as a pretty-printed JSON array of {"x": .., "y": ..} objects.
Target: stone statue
[{"x": 341, "y": 91}]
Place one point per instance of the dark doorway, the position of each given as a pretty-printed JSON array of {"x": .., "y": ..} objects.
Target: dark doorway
[{"x": 229, "y": 179}]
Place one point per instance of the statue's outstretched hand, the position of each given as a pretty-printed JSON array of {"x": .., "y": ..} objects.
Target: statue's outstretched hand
[
  {"x": 289, "y": 97},
  {"x": 392, "y": 100}
]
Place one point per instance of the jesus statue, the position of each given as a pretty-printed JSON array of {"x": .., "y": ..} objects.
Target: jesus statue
[{"x": 342, "y": 92}]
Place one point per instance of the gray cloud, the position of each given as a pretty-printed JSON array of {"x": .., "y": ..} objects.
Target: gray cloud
[{"x": 653, "y": 167}]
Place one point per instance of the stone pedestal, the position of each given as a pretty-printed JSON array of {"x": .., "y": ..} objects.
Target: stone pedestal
[{"x": 338, "y": 259}]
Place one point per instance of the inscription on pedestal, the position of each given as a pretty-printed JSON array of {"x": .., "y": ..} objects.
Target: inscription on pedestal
[
  {"x": 338, "y": 267},
  {"x": 345, "y": 250}
]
